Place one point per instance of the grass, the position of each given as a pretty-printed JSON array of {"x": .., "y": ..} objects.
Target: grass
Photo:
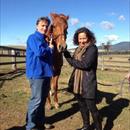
[{"x": 114, "y": 108}]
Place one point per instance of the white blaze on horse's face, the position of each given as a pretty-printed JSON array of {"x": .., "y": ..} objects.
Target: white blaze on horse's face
[
  {"x": 61, "y": 37},
  {"x": 60, "y": 26}
]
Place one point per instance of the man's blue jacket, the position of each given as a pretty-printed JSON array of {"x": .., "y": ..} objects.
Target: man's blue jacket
[{"x": 38, "y": 57}]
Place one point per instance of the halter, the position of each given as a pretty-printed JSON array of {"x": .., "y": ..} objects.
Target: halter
[
  {"x": 54, "y": 38},
  {"x": 57, "y": 36}
]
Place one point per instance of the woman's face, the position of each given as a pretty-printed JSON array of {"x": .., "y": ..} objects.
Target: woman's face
[
  {"x": 82, "y": 39},
  {"x": 42, "y": 27}
]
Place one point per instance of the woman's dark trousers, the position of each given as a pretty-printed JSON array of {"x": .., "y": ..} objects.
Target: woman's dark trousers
[{"x": 86, "y": 106}]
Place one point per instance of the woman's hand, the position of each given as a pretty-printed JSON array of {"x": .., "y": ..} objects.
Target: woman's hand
[
  {"x": 128, "y": 76},
  {"x": 67, "y": 54}
]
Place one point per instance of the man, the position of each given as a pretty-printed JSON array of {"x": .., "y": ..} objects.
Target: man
[{"x": 38, "y": 71}]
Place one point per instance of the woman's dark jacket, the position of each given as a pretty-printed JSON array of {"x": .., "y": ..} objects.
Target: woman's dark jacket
[{"x": 88, "y": 64}]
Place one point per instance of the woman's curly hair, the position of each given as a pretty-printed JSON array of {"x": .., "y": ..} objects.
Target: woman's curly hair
[{"x": 89, "y": 34}]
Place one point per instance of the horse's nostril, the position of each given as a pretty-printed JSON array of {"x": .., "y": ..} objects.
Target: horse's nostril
[{"x": 61, "y": 48}]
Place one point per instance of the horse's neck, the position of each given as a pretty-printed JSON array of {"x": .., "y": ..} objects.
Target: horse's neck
[
  {"x": 57, "y": 57},
  {"x": 56, "y": 52}
]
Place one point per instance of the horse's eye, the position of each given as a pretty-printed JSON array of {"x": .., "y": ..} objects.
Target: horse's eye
[{"x": 53, "y": 26}]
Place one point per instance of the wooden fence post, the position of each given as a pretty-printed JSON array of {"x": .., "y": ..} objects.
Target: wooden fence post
[
  {"x": 102, "y": 68},
  {"x": 14, "y": 66}
]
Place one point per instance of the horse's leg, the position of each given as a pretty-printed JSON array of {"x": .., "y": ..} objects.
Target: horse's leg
[
  {"x": 48, "y": 100},
  {"x": 55, "y": 89}
]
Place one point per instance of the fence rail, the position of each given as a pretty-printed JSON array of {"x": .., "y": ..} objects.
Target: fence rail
[
  {"x": 8, "y": 63},
  {"x": 111, "y": 61},
  {"x": 15, "y": 54},
  {"x": 11, "y": 48},
  {"x": 8, "y": 55}
]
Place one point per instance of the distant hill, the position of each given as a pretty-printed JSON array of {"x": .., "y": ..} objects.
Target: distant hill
[
  {"x": 19, "y": 46},
  {"x": 122, "y": 46}
]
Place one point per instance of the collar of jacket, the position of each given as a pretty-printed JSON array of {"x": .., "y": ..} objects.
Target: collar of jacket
[{"x": 39, "y": 35}]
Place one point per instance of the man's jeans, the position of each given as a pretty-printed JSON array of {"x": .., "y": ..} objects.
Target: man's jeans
[{"x": 36, "y": 108}]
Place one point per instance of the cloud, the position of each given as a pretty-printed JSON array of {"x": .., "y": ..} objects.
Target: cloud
[
  {"x": 121, "y": 18},
  {"x": 112, "y": 14},
  {"x": 107, "y": 25},
  {"x": 74, "y": 21},
  {"x": 89, "y": 24},
  {"x": 70, "y": 42},
  {"x": 111, "y": 37}
]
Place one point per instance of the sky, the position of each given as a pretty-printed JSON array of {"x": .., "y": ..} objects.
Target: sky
[{"x": 109, "y": 20}]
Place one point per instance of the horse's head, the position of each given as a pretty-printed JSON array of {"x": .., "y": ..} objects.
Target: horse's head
[{"x": 59, "y": 30}]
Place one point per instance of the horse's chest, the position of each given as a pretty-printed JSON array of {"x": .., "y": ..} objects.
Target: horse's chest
[{"x": 57, "y": 59}]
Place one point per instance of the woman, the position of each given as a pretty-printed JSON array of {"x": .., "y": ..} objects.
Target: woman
[{"x": 84, "y": 62}]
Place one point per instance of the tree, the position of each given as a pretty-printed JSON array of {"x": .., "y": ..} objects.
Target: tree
[{"x": 107, "y": 47}]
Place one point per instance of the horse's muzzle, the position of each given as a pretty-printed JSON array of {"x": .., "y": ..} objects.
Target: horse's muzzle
[{"x": 62, "y": 48}]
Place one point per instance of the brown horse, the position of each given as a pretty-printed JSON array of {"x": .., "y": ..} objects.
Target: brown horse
[{"x": 58, "y": 33}]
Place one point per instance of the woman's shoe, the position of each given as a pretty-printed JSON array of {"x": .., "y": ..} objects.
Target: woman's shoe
[
  {"x": 48, "y": 126},
  {"x": 84, "y": 128}
]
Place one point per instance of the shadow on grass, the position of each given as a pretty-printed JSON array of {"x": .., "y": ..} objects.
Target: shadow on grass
[
  {"x": 10, "y": 75},
  {"x": 110, "y": 112},
  {"x": 105, "y": 95},
  {"x": 68, "y": 101},
  {"x": 63, "y": 114},
  {"x": 113, "y": 109},
  {"x": 17, "y": 128}
]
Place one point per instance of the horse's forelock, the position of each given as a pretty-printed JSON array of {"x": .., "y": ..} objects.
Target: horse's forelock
[{"x": 58, "y": 36}]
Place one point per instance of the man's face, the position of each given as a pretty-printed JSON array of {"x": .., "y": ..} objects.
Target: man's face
[{"x": 42, "y": 27}]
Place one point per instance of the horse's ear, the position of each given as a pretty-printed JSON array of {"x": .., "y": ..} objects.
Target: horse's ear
[
  {"x": 53, "y": 15},
  {"x": 67, "y": 17},
  {"x": 64, "y": 16}
]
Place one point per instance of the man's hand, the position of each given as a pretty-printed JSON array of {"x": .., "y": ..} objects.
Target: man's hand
[{"x": 50, "y": 43}]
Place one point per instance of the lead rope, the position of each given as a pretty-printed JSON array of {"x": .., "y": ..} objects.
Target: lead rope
[{"x": 121, "y": 83}]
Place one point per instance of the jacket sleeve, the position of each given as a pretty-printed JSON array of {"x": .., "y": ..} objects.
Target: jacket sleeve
[
  {"x": 88, "y": 60},
  {"x": 38, "y": 47}
]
